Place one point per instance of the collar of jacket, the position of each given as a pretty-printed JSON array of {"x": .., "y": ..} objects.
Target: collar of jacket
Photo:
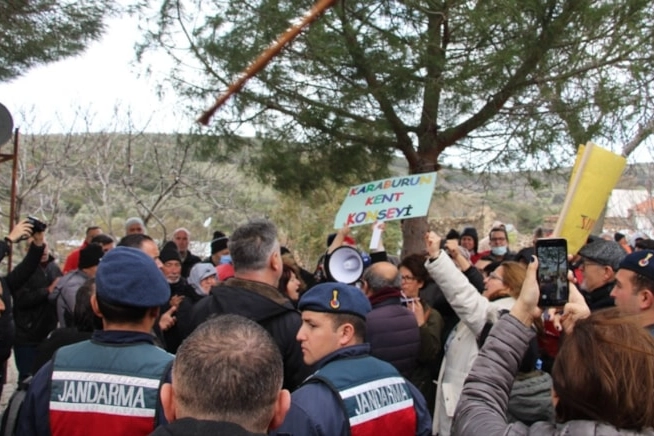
[
  {"x": 260, "y": 288},
  {"x": 385, "y": 294},
  {"x": 344, "y": 353}
]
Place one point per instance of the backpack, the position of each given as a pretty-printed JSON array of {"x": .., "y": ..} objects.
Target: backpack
[{"x": 10, "y": 415}]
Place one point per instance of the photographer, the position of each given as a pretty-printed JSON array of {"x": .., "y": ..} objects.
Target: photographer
[{"x": 15, "y": 280}]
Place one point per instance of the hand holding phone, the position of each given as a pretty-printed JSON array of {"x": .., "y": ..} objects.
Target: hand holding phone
[{"x": 552, "y": 275}]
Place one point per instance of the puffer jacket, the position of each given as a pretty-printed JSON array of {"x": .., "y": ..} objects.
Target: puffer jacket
[
  {"x": 461, "y": 347},
  {"x": 392, "y": 331},
  {"x": 485, "y": 394}
]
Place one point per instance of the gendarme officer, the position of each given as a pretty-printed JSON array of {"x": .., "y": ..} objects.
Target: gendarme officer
[
  {"x": 107, "y": 385},
  {"x": 352, "y": 393}
]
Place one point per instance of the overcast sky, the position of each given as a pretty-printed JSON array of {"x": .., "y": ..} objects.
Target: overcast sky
[
  {"x": 63, "y": 96},
  {"x": 83, "y": 93}
]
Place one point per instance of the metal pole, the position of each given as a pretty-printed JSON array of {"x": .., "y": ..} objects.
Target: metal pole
[{"x": 12, "y": 204}]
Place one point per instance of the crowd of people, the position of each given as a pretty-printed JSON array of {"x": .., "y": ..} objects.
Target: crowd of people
[{"x": 134, "y": 338}]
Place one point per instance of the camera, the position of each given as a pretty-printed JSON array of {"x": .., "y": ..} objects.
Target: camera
[{"x": 37, "y": 226}]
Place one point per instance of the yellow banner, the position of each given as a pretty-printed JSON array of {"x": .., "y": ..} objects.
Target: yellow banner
[{"x": 594, "y": 175}]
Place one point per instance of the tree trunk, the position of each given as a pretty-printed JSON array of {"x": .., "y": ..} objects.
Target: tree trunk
[{"x": 413, "y": 233}]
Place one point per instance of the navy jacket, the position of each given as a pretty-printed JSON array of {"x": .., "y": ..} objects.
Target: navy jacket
[
  {"x": 315, "y": 410},
  {"x": 393, "y": 334},
  {"x": 34, "y": 415}
]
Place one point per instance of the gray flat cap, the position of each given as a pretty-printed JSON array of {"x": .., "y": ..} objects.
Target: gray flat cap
[{"x": 604, "y": 252}]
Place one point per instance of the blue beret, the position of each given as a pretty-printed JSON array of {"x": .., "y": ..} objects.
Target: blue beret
[
  {"x": 129, "y": 277},
  {"x": 640, "y": 262},
  {"x": 335, "y": 297}
]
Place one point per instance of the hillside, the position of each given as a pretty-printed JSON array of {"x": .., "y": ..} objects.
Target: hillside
[{"x": 72, "y": 181}]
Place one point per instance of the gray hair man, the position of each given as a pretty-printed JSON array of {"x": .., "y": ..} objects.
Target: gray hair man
[
  {"x": 182, "y": 238},
  {"x": 252, "y": 293}
]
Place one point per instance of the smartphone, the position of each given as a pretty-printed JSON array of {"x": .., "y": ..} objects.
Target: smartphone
[{"x": 552, "y": 256}]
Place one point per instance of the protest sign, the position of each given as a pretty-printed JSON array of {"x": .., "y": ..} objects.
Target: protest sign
[
  {"x": 386, "y": 200},
  {"x": 594, "y": 175}
]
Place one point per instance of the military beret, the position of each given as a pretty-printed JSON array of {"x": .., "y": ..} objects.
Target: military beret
[
  {"x": 604, "y": 252},
  {"x": 335, "y": 297},
  {"x": 640, "y": 262},
  {"x": 129, "y": 277}
]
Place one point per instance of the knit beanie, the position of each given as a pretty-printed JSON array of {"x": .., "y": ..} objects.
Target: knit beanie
[
  {"x": 90, "y": 256},
  {"x": 472, "y": 232},
  {"x": 170, "y": 252},
  {"x": 219, "y": 242}
]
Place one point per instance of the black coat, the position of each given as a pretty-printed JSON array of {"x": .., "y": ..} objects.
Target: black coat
[
  {"x": 196, "y": 427},
  {"x": 173, "y": 337},
  {"x": 34, "y": 315},
  {"x": 600, "y": 298},
  {"x": 268, "y": 307},
  {"x": 190, "y": 260},
  {"x": 14, "y": 280}
]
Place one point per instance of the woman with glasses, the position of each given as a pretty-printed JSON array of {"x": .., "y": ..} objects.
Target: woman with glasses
[
  {"x": 501, "y": 288},
  {"x": 418, "y": 297}
]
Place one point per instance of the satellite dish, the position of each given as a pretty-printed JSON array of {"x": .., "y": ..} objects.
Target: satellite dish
[{"x": 6, "y": 125}]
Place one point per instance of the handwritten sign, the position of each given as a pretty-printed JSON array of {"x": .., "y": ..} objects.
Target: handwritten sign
[{"x": 387, "y": 200}]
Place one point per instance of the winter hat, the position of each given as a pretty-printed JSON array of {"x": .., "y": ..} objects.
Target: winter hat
[
  {"x": 225, "y": 271},
  {"x": 169, "y": 252},
  {"x": 90, "y": 256},
  {"x": 219, "y": 242},
  {"x": 604, "y": 252},
  {"x": 129, "y": 277},
  {"x": 452, "y": 234},
  {"x": 472, "y": 232}
]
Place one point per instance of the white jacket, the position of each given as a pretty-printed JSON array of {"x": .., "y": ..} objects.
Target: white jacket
[{"x": 461, "y": 348}]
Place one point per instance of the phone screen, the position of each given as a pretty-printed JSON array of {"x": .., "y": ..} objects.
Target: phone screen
[{"x": 552, "y": 271}]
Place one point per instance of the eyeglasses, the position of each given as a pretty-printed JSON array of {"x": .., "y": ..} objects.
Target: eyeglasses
[
  {"x": 586, "y": 263},
  {"x": 494, "y": 276},
  {"x": 408, "y": 278},
  {"x": 497, "y": 239}
]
